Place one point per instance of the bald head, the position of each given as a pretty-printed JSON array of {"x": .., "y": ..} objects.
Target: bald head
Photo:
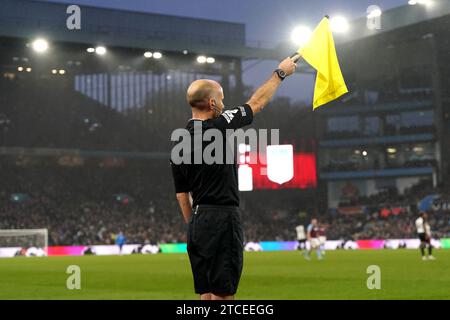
[{"x": 201, "y": 91}]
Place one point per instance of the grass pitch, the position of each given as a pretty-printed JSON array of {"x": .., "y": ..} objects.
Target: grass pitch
[{"x": 267, "y": 275}]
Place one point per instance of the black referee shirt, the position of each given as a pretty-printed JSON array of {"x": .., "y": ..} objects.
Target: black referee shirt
[{"x": 213, "y": 184}]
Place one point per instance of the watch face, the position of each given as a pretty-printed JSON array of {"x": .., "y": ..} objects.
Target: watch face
[{"x": 282, "y": 73}]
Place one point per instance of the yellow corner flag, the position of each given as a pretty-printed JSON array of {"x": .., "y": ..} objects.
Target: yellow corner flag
[{"x": 320, "y": 53}]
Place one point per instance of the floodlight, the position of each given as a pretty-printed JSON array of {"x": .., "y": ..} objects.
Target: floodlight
[
  {"x": 157, "y": 55},
  {"x": 100, "y": 50},
  {"x": 40, "y": 45},
  {"x": 301, "y": 35},
  {"x": 201, "y": 59},
  {"x": 339, "y": 24}
]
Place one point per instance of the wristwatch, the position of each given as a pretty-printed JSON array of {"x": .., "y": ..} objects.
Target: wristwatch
[{"x": 281, "y": 74}]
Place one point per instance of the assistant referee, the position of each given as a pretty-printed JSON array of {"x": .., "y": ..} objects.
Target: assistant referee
[{"x": 208, "y": 193}]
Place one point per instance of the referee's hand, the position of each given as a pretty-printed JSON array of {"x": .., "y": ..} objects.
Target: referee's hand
[{"x": 288, "y": 65}]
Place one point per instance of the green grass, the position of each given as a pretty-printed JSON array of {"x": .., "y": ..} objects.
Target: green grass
[{"x": 268, "y": 275}]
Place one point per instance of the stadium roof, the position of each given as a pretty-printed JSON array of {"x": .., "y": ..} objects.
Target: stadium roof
[
  {"x": 30, "y": 18},
  {"x": 396, "y": 18}
]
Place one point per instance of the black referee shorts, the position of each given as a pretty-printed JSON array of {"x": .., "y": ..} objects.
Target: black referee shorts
[
  {"x": 423, "y": 238},
  {"x": 215, "y": 247}
]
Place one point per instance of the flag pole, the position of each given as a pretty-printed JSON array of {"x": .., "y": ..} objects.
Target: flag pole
[{"x": 295, "y": 57}]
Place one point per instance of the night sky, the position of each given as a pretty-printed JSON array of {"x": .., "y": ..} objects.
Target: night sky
[{"x": 268, "y": 22}]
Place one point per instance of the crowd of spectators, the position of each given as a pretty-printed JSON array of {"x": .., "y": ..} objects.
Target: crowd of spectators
[
  {"x": 389, "y": 214},
  {"x": 79, "y": 206},
  {"x": 375, "y": 226}
]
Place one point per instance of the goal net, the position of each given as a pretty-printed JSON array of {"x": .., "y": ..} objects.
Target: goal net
[{"x": 27, "y": 242}]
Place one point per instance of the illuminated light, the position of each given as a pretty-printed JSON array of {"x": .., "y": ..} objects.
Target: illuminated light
[
  {"x": 242, "y": 159},
  {"x": 157, "y": 55},
  {"x": 201, "y": 59},
  {"x": 185, "y": 52},
  {"x": 374, "y": 14},
  {"x": 418, "y": 149},
  {"x": 28, "y": 69},
  {"x": 148, "y": 54},
  {"x": 242, "y": 148},
  {"x": 210, "y": 60},
  {"x": 100, "y": 50},
  {"x": 422, "y": 2},
  {"x": 90, "y": 50},
  {"x": 245, "y": 178},
  {"x": 364, "y": 153},
  {"x": 54, "y": 71},
  {"x": 391, "y": 150},
  {"x": 40, "y": 45},
  {"x": 248, "y": 148},
  {"x": 357, "y": 152},
  {"x": 20, "y": 69},
  {"x": 339, "y": 24},
  {"x": 62, "y": 71},
  {"x": 301, "y": 35}
]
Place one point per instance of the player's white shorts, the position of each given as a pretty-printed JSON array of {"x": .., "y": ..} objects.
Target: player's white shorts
[
  {"x": 322, "y": 240},
  {"x": 314, "y": 242}
]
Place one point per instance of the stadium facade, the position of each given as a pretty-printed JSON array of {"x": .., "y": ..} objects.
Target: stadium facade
[
  {"x": 392, "y": 130},
  {"x": 71, "y": 89}
]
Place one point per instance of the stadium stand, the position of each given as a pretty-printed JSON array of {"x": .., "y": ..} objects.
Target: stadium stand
[{"x": 89, "y": 205}]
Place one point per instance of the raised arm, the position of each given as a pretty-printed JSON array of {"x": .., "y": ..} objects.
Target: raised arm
[{"x": 263, "y": 94}]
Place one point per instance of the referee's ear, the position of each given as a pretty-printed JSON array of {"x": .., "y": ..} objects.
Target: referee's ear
[{"x": 213, "y": 106}]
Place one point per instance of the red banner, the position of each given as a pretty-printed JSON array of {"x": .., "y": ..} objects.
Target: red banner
[{"x": 305, "y": 175}]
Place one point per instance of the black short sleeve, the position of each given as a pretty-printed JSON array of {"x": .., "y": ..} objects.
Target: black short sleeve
[
  {"x": 179, "y": 178},
  {"x": 234, "y": 118}
]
